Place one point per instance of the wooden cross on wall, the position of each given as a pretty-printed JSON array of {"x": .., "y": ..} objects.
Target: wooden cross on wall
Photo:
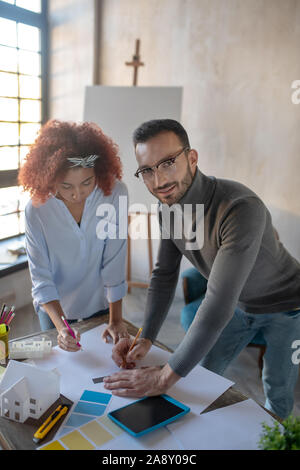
[{"x": 136, "y": 63}]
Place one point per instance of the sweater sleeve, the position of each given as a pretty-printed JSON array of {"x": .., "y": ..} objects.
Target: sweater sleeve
[{"x": 240, "y": 233}]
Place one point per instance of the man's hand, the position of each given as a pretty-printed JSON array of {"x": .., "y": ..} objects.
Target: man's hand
[
  {"x": 66, "y": 341},
  {"x": 126, "y": 359},
  {"x": 137, "y": 383},
  {"x": 116, "y": 331}
]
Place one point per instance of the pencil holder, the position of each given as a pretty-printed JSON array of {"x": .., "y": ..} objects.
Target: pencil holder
[{"x": 4, "y": 349}]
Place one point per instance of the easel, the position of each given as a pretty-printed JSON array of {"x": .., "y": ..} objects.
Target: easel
[
  {"x": 136, "y": 63},
  {"x": 131, "y": 283}
]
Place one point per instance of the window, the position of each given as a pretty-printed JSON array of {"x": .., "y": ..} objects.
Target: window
[{"x": 23, "y": 89}]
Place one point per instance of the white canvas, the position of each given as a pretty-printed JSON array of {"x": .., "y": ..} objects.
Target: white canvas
[{"x": 119, "y": 111}]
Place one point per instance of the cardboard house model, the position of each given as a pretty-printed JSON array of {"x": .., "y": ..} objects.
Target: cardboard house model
[{"x": 27, "y": 391}]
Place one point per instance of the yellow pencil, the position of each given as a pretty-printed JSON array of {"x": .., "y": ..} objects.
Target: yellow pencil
[{"x": 132, "y": 345}]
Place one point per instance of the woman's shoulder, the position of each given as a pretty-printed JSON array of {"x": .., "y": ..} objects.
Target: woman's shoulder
[
  {"x": 40, "y": 211},
  {"x": 120, "y": 188},
  {"x": 30, "y": 209}
]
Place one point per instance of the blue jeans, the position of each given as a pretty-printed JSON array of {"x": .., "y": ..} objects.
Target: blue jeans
[
  {"x": 47, "y": 324},
  {"x": 279, "y": 373}
]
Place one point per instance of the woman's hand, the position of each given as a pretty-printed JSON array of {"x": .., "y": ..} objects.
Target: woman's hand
[
  {"x": 66, "y": 341},
  {"x": 115, "y": 331}
]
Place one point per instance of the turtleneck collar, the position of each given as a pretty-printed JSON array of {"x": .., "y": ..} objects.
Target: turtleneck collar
[{"x": 200, "y": 191}]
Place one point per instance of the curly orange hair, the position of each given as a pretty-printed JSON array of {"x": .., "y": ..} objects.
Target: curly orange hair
[{"x": 47, "y": 160}]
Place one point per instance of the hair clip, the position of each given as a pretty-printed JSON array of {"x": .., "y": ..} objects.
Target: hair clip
[{"x": 84, "y": 162}]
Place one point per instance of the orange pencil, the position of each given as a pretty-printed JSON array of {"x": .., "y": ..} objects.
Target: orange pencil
[{"x": 132, "y": 345}]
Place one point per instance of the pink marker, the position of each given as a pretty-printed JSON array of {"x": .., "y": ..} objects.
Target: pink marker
[
  {"x": 70, "y": 330},
  {"x": 10, "y": 319},
  {"x": 12, "y": 310},
  {"x": 3, "y": 314}
]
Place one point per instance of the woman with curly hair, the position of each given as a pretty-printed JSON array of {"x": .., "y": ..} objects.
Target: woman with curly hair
[{"x": 70, "y": 171}]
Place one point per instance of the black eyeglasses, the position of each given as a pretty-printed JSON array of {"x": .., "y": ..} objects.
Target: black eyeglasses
[{"x": 166, "y": 166}]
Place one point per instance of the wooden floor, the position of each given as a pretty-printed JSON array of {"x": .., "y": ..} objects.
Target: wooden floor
[{"x": 243, "y": 371}]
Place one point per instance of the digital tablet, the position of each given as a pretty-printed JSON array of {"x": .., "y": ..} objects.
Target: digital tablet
[{"x": 148, "y": 414}]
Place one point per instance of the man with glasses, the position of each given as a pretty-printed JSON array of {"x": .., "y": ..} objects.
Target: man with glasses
[{"x": 253, "y": 282}]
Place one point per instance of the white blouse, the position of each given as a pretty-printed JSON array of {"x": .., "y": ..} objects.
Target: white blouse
[{"x": 78, "y": 266}]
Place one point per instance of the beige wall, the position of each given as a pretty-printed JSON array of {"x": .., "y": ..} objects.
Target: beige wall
[
  {"x": 15, "y": 289},
  {"x": 236, "y": 60},
  {"x": 71, "y": 56}
]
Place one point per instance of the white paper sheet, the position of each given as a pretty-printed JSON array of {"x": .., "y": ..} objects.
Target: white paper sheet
[
  {"x": 197, "y": 390},
  {"x": 234, "y": 427},
  {"x": 77, "y": 369}
]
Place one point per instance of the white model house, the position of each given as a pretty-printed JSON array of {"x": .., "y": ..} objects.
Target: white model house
[{"x": 27, "y": 391}]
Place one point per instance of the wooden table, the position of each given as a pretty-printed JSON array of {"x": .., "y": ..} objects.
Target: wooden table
[{"x": 15, "y": 436}]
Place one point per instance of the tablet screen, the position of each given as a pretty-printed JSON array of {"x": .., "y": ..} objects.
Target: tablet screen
[{"x": 145, "y": 414}]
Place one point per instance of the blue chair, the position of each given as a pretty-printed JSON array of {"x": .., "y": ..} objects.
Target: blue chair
[{"x": 194, "y": 289}]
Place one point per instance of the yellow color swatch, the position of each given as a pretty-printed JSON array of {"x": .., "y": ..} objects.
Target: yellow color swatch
[
  {"x": 96, "y": 433},
  {"x": 2, "y": 370},
  {"x": 75, "y": 441},
  {"x": 114, "y": 428},
  {"x": 53, "y": 446}
]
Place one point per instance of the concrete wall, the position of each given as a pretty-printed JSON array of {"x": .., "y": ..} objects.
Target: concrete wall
[
  {"x": 71, "y": 56},
  {"x": 15, "y": 289},
  {"x": 236, "y": 60}
]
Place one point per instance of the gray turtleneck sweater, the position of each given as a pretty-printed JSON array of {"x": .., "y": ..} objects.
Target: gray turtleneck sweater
[{"x": 245, "y": 264}]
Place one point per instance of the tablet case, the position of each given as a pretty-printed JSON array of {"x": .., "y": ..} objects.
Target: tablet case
[{"x": 185, "y": 409}]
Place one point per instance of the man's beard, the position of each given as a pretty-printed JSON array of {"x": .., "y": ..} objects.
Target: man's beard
[{"x": 185, "y": 184}]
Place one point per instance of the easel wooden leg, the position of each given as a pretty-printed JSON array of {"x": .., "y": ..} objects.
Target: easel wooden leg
[{"x": 131, "y": 283}]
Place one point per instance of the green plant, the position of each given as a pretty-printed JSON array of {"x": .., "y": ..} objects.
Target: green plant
[{"x": 281, "y": 437}]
